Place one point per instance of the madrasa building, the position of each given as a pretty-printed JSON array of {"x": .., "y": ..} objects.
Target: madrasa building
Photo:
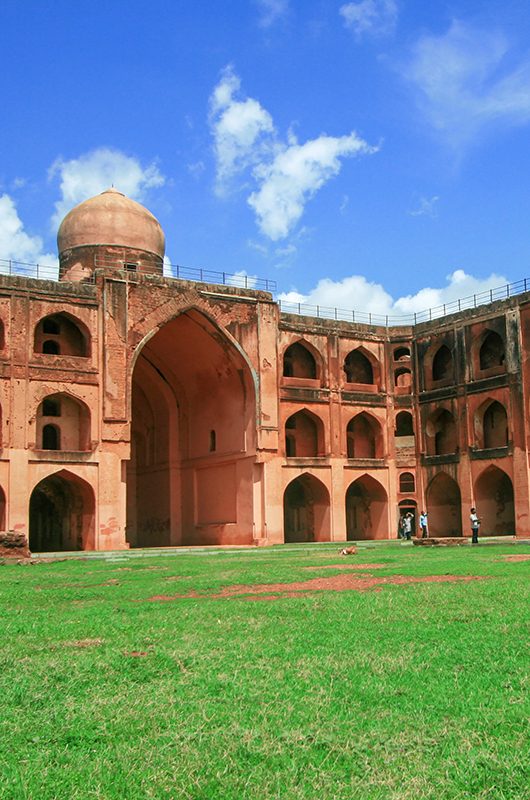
[{"x": 140, "y": 410}]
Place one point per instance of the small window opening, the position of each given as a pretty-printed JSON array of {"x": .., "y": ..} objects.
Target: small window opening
[
  {"x": 213, "y": 442},
  {"x": 51, "y": 348},
  {"x": 51, "y": 326},
  {"x": 51, "y": 408},
  {"x": 131, "y": 266},
  {"x": 51, "y": 438},
  {"x": 406, "y": 483}
]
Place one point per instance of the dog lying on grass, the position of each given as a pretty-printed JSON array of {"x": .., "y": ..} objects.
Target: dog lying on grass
[{"x": 348, "y": 551}]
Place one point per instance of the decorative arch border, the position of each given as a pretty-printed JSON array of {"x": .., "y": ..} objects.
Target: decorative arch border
[{"x": 315, "y": 352}]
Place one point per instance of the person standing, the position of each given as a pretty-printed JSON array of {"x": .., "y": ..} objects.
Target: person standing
[
  {"x": 475, "y": 525},
  {"x": 407, "y": 526},
  {"x": 423, "y": 525}
]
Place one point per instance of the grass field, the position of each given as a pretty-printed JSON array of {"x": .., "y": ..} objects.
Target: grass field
[{"x": 416, "y": 690}]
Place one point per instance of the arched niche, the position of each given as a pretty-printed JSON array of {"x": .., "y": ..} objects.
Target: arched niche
[
  {"x": 442, "y": 365},
  {"x": 62, "y": 423},
  {"x": 492, "y": 352},
  {"x": 444, "y": 506},
  {"x": 364, "y": 437},
  {"x": 441, "y": 434},
  {"x": 494, "y": 499},
  {"x": 306, "y": 512},
  {"x": 404, "y": 424},
  {"x": 491, "y": 425},
  {"x": 403, "y": 380},
  {"x": 304, "y": 435},
  {"x": 62, "y": 334},
  {"x": 62, "y": 514},
  {"x": 402, "y": 353},
  {"x": 184, "y": 485},
  {"x": 361, "y": 368},
  {"x": 366, "y": 509},
  {"x": 407, "y": 483},
  {"x": 2, "y": 510},
  {"x": 300, "y": 360}
]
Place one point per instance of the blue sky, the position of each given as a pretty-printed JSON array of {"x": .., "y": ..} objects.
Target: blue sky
[{"x": 370, "y": 154}]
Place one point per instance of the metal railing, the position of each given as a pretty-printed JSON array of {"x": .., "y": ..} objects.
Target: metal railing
[
  {"x": 416, "y": 317},
  {"x": 243, "y": 281}
]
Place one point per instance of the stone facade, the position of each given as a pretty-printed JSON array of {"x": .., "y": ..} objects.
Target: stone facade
[{"x": 140, "y": 410}]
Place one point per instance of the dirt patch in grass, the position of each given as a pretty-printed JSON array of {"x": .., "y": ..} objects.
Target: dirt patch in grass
[
  {"x": 347, "y": 566},
  {"x": 82, "y": 643},
  {"x": 519, "y": 557},
  {"x": 336, "y": 583}
]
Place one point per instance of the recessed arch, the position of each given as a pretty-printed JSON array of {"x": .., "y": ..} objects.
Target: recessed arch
[
  {"x": 441, "y": 433},
  {"x": 304, "y": 435},
  {"x": 2, "y": 510},
  {"x": 403, "y": 378},
  {"x": 407, "y": 483},
  {"x": 404, "y": 424},
  {"x": 62, "y": 514},
  {"x": 364, "y": 437},
  {"x": 193, "y": 424},
  {"x": 491, "y": 425},
  {"x": 442, "y": 364},
  {"x": 444, "y": 506},
  {"x": 494, "y": 499},
  {"x": 302, "y": 360},
  {"x": 361, "y": 367},
  {"x": 63, "y": 423},
  {"x": 366, "y": 509},
  {"x": 401, "y": 353},
  {"x": 62, "y": 334},
  {"x": 492, "y": 351},
  {"x": 306, "y": 514}
]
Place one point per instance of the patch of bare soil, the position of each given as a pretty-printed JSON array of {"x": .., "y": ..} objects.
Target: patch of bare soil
[
  {"x": 81, "y": 643},
  {"x": 519, "y": 557},
  {"x": 361, "y": 567},
  {"x": 336, "y": 583}
]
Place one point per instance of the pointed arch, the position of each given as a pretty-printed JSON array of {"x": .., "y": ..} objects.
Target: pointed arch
[
  {"x": 494, "y": 498},
  {"x": 62, "y": 514},
  {"x": 444, "y": 506},
  {"x": 306, "y": 510},
  {"x": 491, "y": 425},
  {"x": 361, "y": 367},
  {"x": 364, "y": 437},
  {"x": 492, "y": 351},
  {"x": 304, "y": 435},
  {"x": 441, "y": 433},
  {"x": 62, "y": 334},
  {"x": 442, "y": 364},
  {"x": 63, "y": 423},
  {"x": 366, "y": 509},
  {"x": 302, "y": 360}
]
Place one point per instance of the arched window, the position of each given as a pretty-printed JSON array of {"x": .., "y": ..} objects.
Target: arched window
[
  {"x": 492, "y": 351},
  {"x": 358, "y": 368},
  {"x": 407, "y": 484},
  {"x": 495, "y": 425},
  {"x": 404, "y": 424},
  {"x": 298, "y": 362},
  {"x": 51, "y": 347},
  {"x": 304, "y": 436},
  {"x": 442, "y": 365},
  {"x": 403, "y": 378},
  {"x": 401, "y": 353},
  {"x": 60, "y": 334},
  {"x": 441, "y": 434},
  {"x": 51, "y": 437}
]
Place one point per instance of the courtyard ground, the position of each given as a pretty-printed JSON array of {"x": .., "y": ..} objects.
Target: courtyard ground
[{"x": 281, "y": 673}]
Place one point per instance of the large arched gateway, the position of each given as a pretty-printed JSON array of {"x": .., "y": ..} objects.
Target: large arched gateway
[
  {"x": 495, "y": 502},
  {"x": 61, "y": 514},
  {"x": 366, "y": 509},
  {"x": 190, "y": 476},
  {"x": 306, "y": 516}
]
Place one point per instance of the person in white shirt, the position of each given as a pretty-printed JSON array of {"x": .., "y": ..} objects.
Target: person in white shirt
[
  {"x": 423, "y": 525},
  {"x": 475, "y": 525}
]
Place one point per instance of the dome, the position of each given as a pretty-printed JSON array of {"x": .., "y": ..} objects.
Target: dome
[{"x": 111, "y": 218}]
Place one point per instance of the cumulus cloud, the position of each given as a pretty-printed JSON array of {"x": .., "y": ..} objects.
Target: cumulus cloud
[
  {"x": 271, "y": 11},
  {"x": 370, "y": 17},
  {"x": 466, "y": 79},
  {"x": 241, "y": 129},
  {"x": 15, "y": 242},
  {"x": 95, "y": 171},
  {"x": 355, "y": 292},
  {"x": 286, "y": 174},
  {"x": 295, "y": 174}
]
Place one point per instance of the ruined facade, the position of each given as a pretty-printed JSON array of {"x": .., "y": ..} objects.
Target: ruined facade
[{"x": 140, "y": 410}]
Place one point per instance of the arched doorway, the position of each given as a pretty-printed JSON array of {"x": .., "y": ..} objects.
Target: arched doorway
[
  {"x": 61, "y": 514},
  {"x": 306, "y": 515},
  {"x": 444, "y": 506},
  {"x": 364, "y": 437},
  {"x": 2, "y": 510},
  {"x": 409, "y": 507},
  {"x": 366, "y": 510},
  {"x": 191, "y": 472},
  {"x": 495, "y": 503}
]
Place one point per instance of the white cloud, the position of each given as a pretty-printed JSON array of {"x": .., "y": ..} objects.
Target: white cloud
[
  {"x": 425, "y": 207},
  {"x": 294, "y": 176},
  {"x": 95, "y": 171},
  {"x": 370, "y": 17},
  {"x": 241, "y": 129},
  {"x": 15, "y": 242},
  {"x": 465, "y": 80},
  {"x": 271, "y": 11},
  {"x": 357, "y": 293}
]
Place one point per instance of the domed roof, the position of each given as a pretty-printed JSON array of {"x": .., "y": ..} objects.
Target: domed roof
[{"x": 111, "y": 218}]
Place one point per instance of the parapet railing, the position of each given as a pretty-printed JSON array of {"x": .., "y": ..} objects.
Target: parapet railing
[
  {"x": 242, "y": 281},
  {"x": 388, "y": 320}
]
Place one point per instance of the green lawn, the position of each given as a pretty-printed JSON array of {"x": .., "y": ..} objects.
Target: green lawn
[{"x": 401, "y": 691}]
